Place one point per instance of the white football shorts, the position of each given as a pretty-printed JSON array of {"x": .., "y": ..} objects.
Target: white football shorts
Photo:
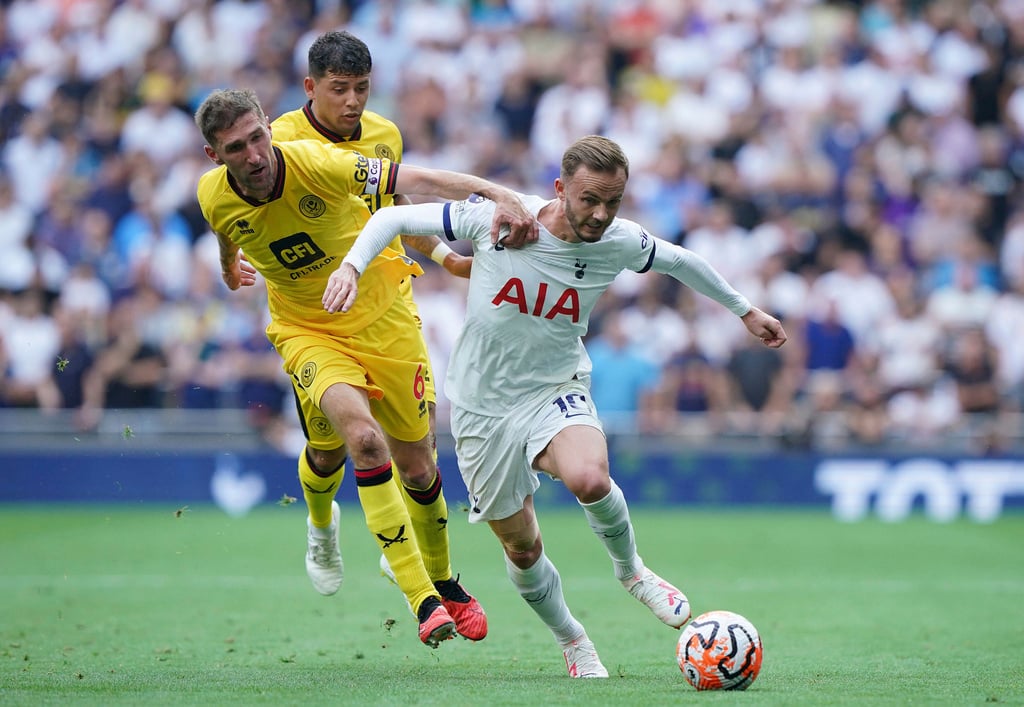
[{"x": 496, "y": 453}]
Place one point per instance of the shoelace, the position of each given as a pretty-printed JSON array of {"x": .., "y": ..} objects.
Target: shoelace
[
  {"x": 451, "y": 590},
  {"x": 321, "y": 551}
]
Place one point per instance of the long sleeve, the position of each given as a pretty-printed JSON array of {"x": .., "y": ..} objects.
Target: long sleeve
[
  {"x": 694, "y": 271},
  {"x": 386, "y": 224}
]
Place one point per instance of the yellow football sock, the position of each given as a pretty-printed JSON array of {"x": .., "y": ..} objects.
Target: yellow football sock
[
  {"x": 319, "y": 491},
  {"x": 389, "y": 522},
  {"x": 428, "y": 512}
]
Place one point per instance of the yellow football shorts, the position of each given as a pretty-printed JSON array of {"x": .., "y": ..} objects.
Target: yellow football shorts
[{"x": 388, "y": 359}]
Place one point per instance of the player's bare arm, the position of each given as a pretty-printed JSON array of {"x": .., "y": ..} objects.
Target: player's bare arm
[
  {"x": 510, "y": 212},
  {"x": 234, "y": 268},
  {"x": 765, "y": 327},
  {"x": 438, "y": 251}
]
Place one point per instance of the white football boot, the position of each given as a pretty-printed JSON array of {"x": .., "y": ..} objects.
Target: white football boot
[
  {"x": 581, "y": 659},
  {"x": 323, "y": 556},
  {"x": 665, "y": 601}
]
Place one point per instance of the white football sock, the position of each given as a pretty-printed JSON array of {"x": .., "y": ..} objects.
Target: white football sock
[
  {"x": 541, "y": 587},
  {"x": 609, "y": 519}
]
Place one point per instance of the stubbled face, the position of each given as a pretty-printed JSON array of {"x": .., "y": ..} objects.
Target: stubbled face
[
  {"x": 246, "y": 149},
  {"x": 339, "y": 100},
  {"x": 591, "y": 200}
]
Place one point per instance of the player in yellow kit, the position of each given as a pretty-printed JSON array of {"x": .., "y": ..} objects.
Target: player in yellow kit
[
  {"x": 294, "y": 209},
  {"x": 338, "y": 87}
]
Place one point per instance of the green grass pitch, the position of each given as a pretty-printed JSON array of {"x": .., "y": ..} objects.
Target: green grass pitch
[{"x": 148, "y": 606}]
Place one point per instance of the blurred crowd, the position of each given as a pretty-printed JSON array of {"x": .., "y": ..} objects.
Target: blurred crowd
[{"x": 853, "y": 167}]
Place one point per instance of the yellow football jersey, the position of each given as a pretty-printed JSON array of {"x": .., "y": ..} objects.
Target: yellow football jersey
[
  {"x": 376, "y": 137},
  {"x": 298, "y": 237}
]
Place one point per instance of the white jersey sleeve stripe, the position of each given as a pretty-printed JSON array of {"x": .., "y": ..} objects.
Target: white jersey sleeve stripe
[
  {"x": 650, "y": 258},
  {"x": 446, "y": 218}
]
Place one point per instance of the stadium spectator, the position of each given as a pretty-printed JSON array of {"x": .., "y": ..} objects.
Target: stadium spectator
[
  {"x": 158, "y": 115},
  {"x": 691, "y": 396},
  {"x": 130, "y": 371},
  {"x": 673, "y": 192},
  {"x": 964, "y": 301},
  {"x": 77, "y": 354},
  {"x": 723, "y": 243},
  {"x": 906, "y": 346},
  {"x": 971, "y": 363},
  {"x": 577, "y": 106},
  {"x": 784, "y": 291},
  {"x": 760, "y": 390},
  {"x": 34, "y": 159},
  {"x": 1005, "y": 321},
  {"x": 863, "y": 299},
  {"x": 29, "y": 348},
  {"x": 152, "y": 243},
  {"x": 827, "y": 344},
  {"x": 925, "y": 412},
  {"x": 59, "y": 226},
  {"x": 651, "y": 325},
  {"x": 993, "y": 183},
  {"x": 17, "y": 268},
  {"x": 623, "y": 378}
]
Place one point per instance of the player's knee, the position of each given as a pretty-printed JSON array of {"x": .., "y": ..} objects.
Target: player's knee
[
  {"x": 419, "y": 476},
  {"x": 325, "y": 461},
  {"x": 415, "y": 463},
  {"x": 523, "y": 553},
  {"x": 591, "y": 483},
  {"x": 366, "y": 445}
]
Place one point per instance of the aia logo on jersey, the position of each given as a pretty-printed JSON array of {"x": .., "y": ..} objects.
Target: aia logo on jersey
[
  {"x": 541, "y": 303},
  {"x": 296, "y": 251}
]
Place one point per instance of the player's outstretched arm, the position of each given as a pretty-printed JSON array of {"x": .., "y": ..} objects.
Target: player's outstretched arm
[
  {"x": 510, "y": 212},
  {"x": 694, "y": 271},
  {"x": 765, "y": 327}
]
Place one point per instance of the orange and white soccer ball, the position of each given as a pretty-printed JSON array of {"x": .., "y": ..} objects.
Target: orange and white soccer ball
[{"x": 720, "y": 650}]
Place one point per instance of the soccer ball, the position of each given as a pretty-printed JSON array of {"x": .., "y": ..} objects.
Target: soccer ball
[{"x": 720, "y": 650}]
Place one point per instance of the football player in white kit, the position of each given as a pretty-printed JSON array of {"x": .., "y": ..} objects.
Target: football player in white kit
[{"x": 518, "y": 379}]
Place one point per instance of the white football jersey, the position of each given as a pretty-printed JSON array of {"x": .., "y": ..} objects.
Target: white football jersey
[{"x": 529, "y": 307}]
